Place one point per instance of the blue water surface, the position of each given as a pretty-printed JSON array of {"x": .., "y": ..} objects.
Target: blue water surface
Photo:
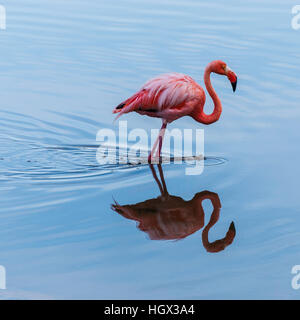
[{"x": 64, "y": 66}]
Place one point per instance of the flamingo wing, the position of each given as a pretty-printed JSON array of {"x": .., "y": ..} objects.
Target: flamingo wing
[{"x": 168, "y": 93}]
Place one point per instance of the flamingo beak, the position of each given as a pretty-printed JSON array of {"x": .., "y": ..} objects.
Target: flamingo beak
[
  {"x": 234, "y": 85},
  {"x": 231, "y": 77}
]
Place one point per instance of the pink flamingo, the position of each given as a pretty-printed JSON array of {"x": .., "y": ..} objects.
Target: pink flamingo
[
  {"x": 174, "y": 95},
  {"x": 169, "y": 217}
]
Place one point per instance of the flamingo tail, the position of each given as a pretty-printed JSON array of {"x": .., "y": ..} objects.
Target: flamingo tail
[
  {"x": 119, "y": 110},
  {"x": 128, "y": 105}
]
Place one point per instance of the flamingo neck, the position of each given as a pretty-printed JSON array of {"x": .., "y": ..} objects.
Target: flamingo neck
[{"x": 215, "y": 115}]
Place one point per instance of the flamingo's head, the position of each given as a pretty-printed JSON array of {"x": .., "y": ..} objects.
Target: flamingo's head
[{"x": 221, "y": 67}]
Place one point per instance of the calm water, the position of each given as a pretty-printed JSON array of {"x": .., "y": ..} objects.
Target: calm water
[{"x": 70, "y": 228}]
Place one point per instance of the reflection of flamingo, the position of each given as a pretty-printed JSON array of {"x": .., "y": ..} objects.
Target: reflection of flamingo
[
  {"x": 169, "y": 217},
  {"x": 172, "y": 96}
]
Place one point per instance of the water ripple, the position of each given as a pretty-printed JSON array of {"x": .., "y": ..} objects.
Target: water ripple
[{"x": 72, "y": 162}]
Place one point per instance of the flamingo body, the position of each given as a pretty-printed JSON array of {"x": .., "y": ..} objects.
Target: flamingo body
[{"x": 168, "y": 96}]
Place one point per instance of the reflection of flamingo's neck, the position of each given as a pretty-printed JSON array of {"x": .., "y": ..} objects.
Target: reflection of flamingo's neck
[
  {"x": 220, "y": 244},
  {"x": 213, "y": 220},
  {"x": 217, "y": 245}
]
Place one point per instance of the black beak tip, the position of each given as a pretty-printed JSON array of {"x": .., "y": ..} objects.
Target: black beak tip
[
  {"x": 234, "y": 85},
  {"x": 232, "y": 226}
]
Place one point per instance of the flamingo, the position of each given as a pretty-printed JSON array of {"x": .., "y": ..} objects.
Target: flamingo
[
  {"x": 175, "y": 95},
  {"x": 170, "y": 217}
]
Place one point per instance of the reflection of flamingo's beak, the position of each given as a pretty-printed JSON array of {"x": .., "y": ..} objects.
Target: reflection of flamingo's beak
[{"x": 230, "y": 234}]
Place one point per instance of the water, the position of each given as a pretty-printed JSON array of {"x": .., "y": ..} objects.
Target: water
[{"x": 63, "y": 68}]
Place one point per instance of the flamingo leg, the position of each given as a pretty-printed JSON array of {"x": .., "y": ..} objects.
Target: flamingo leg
[
  {"x": 156, "y": 179},
  {"x": 161, "y": 173},
  {"x": 158, "y": 139},
  {"x": 161, "y": 137},
  {"x": 161, "y": 184}
]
